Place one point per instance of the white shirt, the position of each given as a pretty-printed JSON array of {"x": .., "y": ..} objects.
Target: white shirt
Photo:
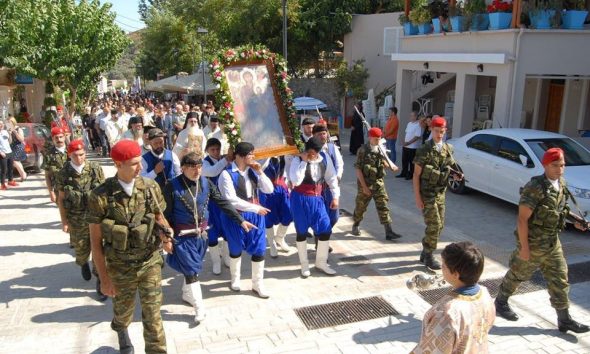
[
  {"x": 339, "y": 160},
  {"x": 413, "y": 129},
  {"x": 152, "y": 174},
  {"x": 228, "y": 191},
  {"x": 4, "y": 142},
  {"x": 103, "y": 118},
  {"x": 128, "y": 135},
  {"x": 76, "y": 167},
  {"x": 127, "y": 187},
  {"x": 305, "y": 137},
  {"x": 114, "y": 131},
  {"x": 124, "y": 119},
  {"x": 438, "y": 146},
  {"x": 215, "y": 170},
  {"x": 297, "y": 173},
  {"x": 555, "y": 184},
  {"x": 217, "y": 134},
  {"x": 61, "y": 149},
  {"x": 182, "y": 140}
]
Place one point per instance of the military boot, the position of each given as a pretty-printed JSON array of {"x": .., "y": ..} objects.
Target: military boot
[
  {"x": 566, "y": 323},
  {"x": 125, "y": 346},
  {"x": 390, "y": 234},
  {"x": 86, "y": 274},
  {"x": 428, "y": 259},
  {"x": 355, "y": 229},
  {"x": 503, "y": 309},
  {"x": 101, "y": 296}
]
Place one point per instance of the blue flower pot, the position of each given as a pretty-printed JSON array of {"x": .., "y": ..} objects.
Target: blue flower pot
[
  {"x": 574, "y": 19},
  {"x": 480, "y": 22},
  {"x": 500, "y": 20},
  {"x": 457, "y": 23},
  {"x": 424, "y": 28},
  {"x": 410, "y": 29},
  {"x": 436, "y": 25},
  {"x": 541, "y": 19}
]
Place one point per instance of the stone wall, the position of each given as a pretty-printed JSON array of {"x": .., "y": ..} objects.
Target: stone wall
[{"x": 323, "y": 89}]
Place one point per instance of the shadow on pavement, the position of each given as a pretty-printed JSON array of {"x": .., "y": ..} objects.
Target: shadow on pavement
[
  {"x": 54, "y": 248},
  {"x": 532, "y": 331},
  {"x": 27, "y": 197},
  {"x": 77, "y": 314},
  {"x": 105, "y": 350},
  {"x": 48, "y": 205},
  {"x": 394, "y": 332},
  {"x": 54, "y": 225}
]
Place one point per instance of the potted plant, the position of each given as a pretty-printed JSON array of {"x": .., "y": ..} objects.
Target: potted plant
[
  {"x": 500, "y": 14},
  {"x": 438, "y": 10},
  {"x": 476, "y": 15},
  {"x": 420, "y": 16},
  {"x": 541, "y": 13},
  {"x": 574, "y": 16},
  {"x": 409, "y": 28},
  {"x": 456, "y": 15}
]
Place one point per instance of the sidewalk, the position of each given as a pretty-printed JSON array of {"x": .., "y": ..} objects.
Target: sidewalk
[{"x": 47, "y": 307}]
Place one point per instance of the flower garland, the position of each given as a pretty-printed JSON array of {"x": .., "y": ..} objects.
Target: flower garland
[{"x": 249, "y": 54}]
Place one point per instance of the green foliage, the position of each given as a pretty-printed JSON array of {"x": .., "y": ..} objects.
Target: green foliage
[
  {"x": 66, "y": 42},
  {"x": 474, "y": 7},
  {"x": 352, "y": 81},
  {"x": 146, "y": 5},
  {"x": 420, "y": 15},
  {"x": 403, "y": 19}
]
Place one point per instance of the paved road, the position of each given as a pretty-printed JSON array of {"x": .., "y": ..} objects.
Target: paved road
[{"x": 48, "y": 307}]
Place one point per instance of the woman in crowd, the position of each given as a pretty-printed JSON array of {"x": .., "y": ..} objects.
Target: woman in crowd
[
  {"x": 5, "y": 158},
  {"x": 17, "y": 146}
]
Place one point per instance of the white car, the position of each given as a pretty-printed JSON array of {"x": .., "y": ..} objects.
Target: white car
[{"x": 499, "y": 162}]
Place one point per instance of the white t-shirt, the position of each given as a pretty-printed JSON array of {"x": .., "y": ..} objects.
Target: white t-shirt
[{"x": 413, "y": 129}]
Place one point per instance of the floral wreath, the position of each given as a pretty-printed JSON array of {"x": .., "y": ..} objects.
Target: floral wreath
[{"x": 247, "y": 54}]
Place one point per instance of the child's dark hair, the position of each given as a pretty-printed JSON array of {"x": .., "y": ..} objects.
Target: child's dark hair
[{"x": 466, "y": 259}]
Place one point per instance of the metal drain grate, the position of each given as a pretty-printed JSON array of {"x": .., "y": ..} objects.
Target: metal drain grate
[
  {"x": 344, "y": 312},
  {"x": 577, "y": 273}
]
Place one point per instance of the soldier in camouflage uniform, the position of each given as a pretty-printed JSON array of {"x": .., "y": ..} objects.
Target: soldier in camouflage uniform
[
  {"x": 370, "y": 171},
  {"x": 74, "y": 183},
  {"x": 542, "y": 213},
  {"x": 123, "y": 213},
  {"x": 54, "y": 159},
  {"x": 432, "y": 167}
]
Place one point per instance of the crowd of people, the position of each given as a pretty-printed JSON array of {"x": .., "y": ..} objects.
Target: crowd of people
[{"x": 181, "y": 192}]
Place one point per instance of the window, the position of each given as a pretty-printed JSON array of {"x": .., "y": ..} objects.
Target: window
[
  {"x": 391, "y": 39},
  {"x": 575, "y": 154},
  {"x": 42, "y": 132},
  {"x": 483, "y": 142},
  {"x": 511, "y": 150}
]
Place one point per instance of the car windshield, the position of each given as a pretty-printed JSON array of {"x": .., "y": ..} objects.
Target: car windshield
[
  {"x": 575, "y": 154},
  {"x": 26, "y": 130}
]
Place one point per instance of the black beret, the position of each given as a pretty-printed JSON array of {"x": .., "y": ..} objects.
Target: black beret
[
  {"x": 135, "y": 120},
  {"x": 319, "y": 128},
  {"x": 190, "y": 115},
  {"x": 308, "y": 121},
  {"x": 192, "y": 158},
  {"x": 243, "y": 149},
  {"x": 213, "y": 119},
  {"x": 314, "y": 144}
]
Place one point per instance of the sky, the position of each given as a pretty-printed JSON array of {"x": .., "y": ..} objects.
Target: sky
[{"x": 127, "y": 15}]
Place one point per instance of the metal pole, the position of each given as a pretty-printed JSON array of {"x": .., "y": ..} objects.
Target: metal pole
[
  {"x": 285, "y": 29},
  {"x": 203, "y": 69}
]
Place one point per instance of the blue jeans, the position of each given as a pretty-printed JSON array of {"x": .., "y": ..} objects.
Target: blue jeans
[{"x": 390, "y": 145}]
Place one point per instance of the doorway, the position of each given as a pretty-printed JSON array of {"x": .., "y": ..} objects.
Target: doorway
[{"x": 554, "y": 104}]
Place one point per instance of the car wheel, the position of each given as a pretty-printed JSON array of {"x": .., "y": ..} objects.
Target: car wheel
[
  {"x": 457, "y": 187},
  {"x": 38, "y": 160}
]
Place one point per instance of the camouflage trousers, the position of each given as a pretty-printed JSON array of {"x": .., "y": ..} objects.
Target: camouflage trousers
[
  {"x": 80, "y": 239},
  {"x": 553, "y": 266},
  {"x": 434, "y": 218},
  {"x": 128, "y": 279},
  {"x": 379, "y": 194}
]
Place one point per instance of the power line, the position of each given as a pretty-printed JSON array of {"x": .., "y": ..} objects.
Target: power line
[
  {"x": 126, "y": 25},
  {"x": 129, "y": 18}
]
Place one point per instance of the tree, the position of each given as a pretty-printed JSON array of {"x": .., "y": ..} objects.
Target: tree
[
  {"x": 65, "y": 42},
  {"x": 146, "y": 5},
  {"x": 352, "y": 80}
]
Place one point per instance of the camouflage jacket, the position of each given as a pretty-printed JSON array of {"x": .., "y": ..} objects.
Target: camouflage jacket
[
  {"x": 549, "y": 210},
  {"x": 371, "y": 165},
  {"x": 77, "y": 187},
  {"x": 127, "y": 223},
  {"x": 53, "y": 162},
  {"x": 435, "y": 166}
]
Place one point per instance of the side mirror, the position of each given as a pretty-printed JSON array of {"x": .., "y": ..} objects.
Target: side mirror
[{"x": 523, "y": 160}]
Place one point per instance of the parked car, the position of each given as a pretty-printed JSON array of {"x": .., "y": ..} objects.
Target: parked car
[
  {"x": 36, "y": 134},
  {"x": 499, "y": 162}
]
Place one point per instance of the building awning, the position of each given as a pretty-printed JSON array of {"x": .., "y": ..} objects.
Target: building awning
[{"x": 476, "y": 58}]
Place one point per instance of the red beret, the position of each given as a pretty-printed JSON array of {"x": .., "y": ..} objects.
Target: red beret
[
  {"x": 438, "y": 122},
  {"x": 551, "y": 155},
  {"x": 125, "y": 150},
  {"x": 56, "y": 131},
  {"x": 375, "y": 132},
  {"x": 75, "y": 145}
]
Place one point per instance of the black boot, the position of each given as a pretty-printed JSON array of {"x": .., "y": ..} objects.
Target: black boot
[
  {"x": 389, "y": 234},
  {"x": 503, "y": 309},
  {"x": 355, "y": 229},
  {"x": 101, "y": 296},
  {"x": 125, "y": 346},
  {"x": 86, "y": 274},
  {"x": 428, "y": 259},
  {"x": 566, "y": 323}
]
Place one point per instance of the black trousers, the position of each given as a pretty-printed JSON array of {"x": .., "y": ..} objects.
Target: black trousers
[
  {"x": 6, "y": 167},
  {"x": 408, "y": 162}
]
